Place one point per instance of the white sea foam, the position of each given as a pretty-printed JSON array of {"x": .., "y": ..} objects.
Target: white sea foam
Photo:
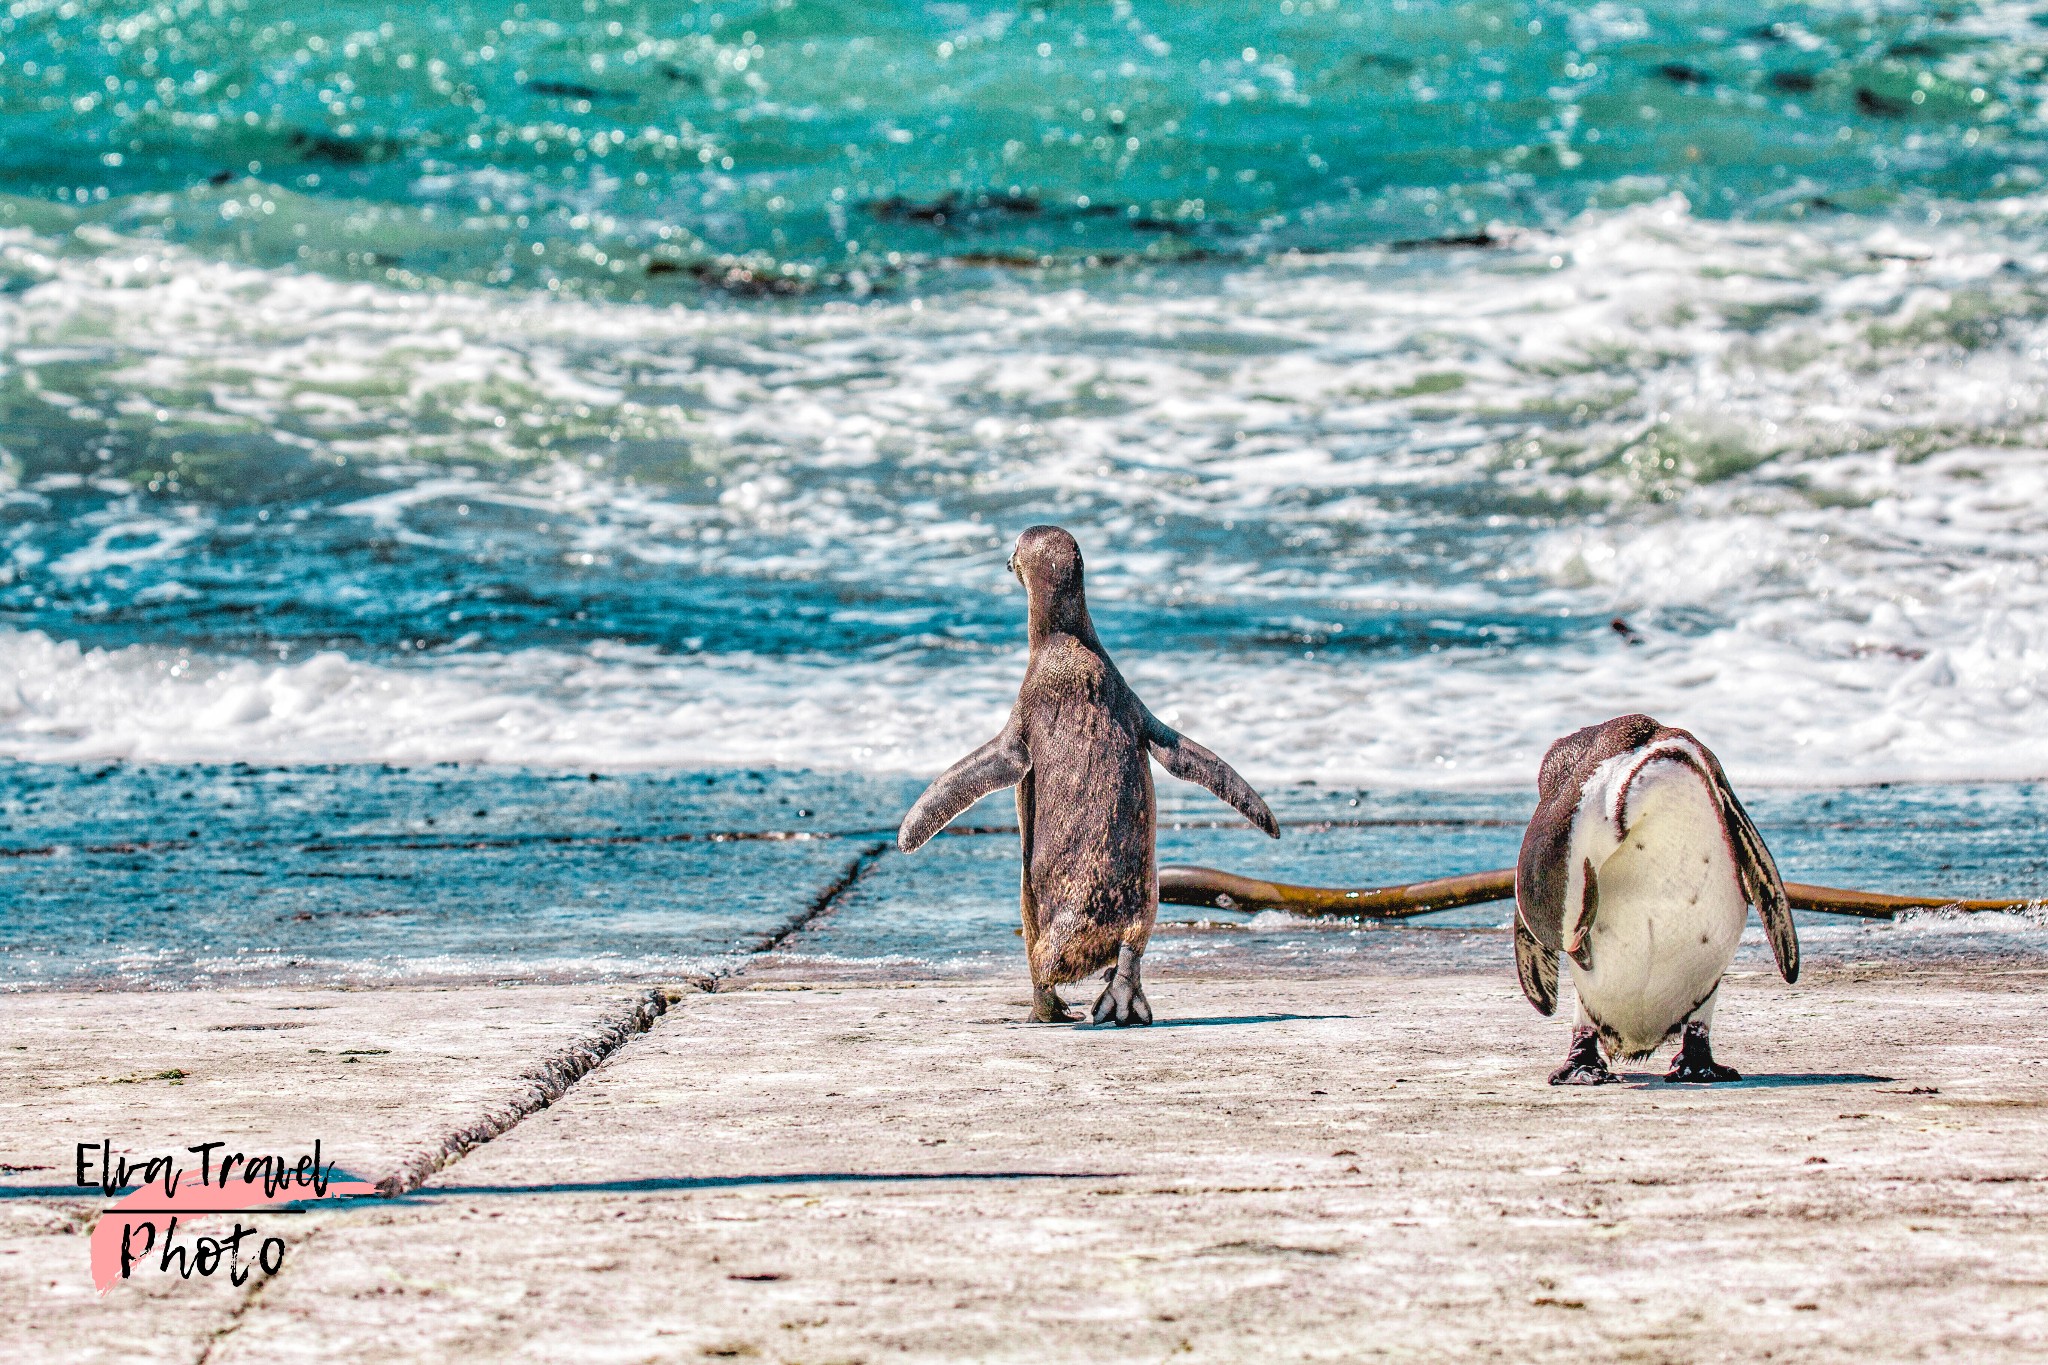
[
  {"x": 1449, "y": 719},
  {"x": 1808, "y": 465}
]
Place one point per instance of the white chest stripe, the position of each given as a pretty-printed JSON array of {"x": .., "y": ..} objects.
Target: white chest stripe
[{"x": 1670, "y": 901}]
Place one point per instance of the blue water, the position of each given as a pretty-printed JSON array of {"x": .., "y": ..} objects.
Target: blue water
[
  {"x": 570, "y": 388},
  {"x": 575, "y": 145},
  {"x": 129, "y": 875}
]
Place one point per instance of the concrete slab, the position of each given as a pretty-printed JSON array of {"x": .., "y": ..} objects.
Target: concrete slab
[
  {"x": 1336, "y": 1145},
  {"x": 387, "y": 1081},
  {"x": 1326, "y": 1170}
]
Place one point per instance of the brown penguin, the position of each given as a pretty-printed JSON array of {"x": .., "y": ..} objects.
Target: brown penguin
[{"x": 1076, "y": 749}]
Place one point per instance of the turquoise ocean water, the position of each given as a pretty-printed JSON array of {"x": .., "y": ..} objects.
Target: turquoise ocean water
[{"x": 629, "y": 388}]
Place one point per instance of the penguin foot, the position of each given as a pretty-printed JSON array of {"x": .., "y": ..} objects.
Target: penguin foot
[
  {"x": 1048, "y": 1008},
  {"x": 1123, "y": 997},
  {"x": 1695, "y": 1064},
  {"x": 1584, "y": 1065}
]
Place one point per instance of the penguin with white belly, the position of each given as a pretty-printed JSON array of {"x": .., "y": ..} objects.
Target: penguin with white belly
[{"x": 1640, "y": 866}]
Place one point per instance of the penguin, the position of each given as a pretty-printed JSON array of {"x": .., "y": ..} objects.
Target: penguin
[
  {"x": 1078, "y": 749},
  {"x": 1640, "y": 865}
]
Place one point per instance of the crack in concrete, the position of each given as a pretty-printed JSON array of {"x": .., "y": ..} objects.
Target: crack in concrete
[
  {"x": 556, "y": 1074},
  {"x": 257, "y": 1284},
  {"x": 540, "y": 1087},
  {"x": 826, "y": 901}
]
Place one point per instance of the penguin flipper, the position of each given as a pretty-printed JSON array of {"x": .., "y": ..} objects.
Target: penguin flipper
[
  {"x": 1761, "y": 883},
  {"x": 1000, "y": 763},
  {"x": 1543, "y": 875},
  {"x": 1190, "y": 762},
  {"x": 1536, "y": 965},
  {"x": 1580, "y": 944},
  {"x": 1542, "y": 879}
]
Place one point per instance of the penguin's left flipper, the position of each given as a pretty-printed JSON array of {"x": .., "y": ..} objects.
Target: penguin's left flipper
[
  {"x": 1536, "y": 966},
  {"x": 1190, "y": 762},
  {"x": 1000, "y": 763},
  {"x": 1542, "y": 885},
  {"x": 1122, "y": 1001},
  {"x": 1758, "y": 871},
  {"x": 1695, "y": 1064}
]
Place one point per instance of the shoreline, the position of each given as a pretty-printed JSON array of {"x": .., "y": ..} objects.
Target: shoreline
[
  {"x": 369, "y": 878},
  {"x": 1266, "y": 945}
]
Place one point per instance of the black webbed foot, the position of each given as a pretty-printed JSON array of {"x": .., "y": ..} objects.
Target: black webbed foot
[
  {"x": 1695, "y": 1064},
  {"x": 1584, "y": 1065},
  {"x": 1048, "y": 1008},
  {"x": 1123, "y": 997}
]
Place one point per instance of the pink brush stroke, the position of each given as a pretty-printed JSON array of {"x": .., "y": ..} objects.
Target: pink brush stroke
[{"x": 151, "y": 1204}]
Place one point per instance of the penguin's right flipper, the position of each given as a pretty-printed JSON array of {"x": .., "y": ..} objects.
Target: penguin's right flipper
[
  {"x": 1190, "y": 762},
  {"x": 1000, "y": 763},
  {"x": 1580, "y": 945}
]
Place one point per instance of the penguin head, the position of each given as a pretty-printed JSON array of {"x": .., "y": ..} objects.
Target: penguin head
[{"x": 1046, "y": 560}]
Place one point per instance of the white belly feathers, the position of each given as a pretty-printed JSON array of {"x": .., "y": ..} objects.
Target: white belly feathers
[{"x": 1669, "y": 906}]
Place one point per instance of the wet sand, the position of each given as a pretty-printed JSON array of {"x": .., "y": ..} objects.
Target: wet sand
[{"x": 1285, "y": 1168}]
